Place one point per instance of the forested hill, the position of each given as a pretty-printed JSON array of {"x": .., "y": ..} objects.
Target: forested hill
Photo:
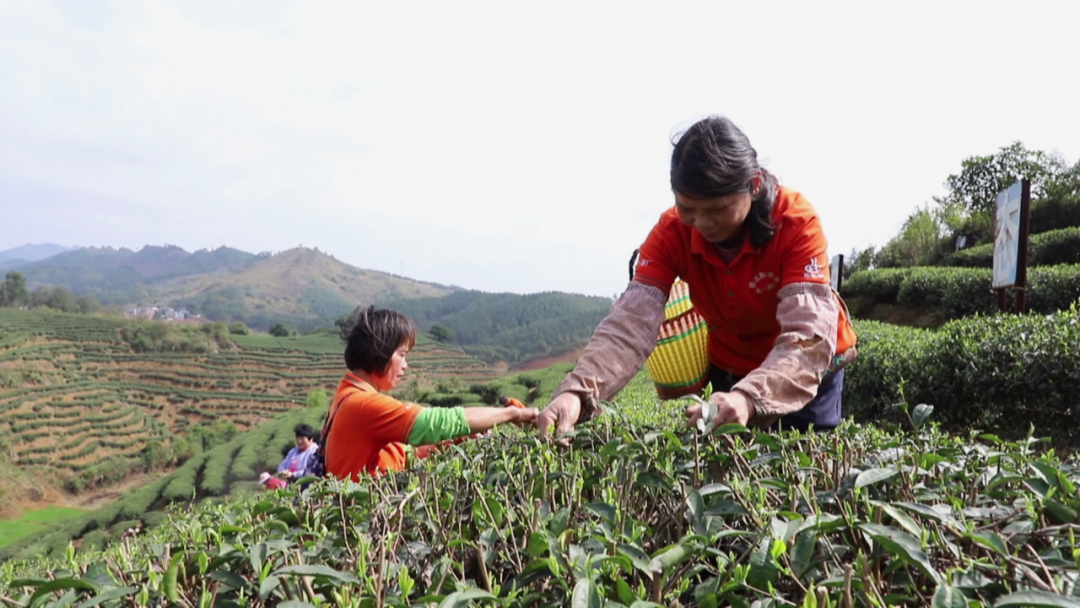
[{"x": 508, "y": 327}]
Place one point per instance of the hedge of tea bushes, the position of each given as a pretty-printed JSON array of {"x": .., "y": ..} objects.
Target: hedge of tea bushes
[
  {"x": 953, "y": 292},
  {"x": 640, "y": 511},
  {"x": 1044, "y": 249},
  {"x": 997, "y": 373}
]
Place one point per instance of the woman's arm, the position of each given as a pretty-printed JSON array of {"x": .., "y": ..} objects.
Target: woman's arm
[
  {"x": 789, "y": 377},
  {"x": 434, "y": 425},
  {"x": 618, "y": 348}
]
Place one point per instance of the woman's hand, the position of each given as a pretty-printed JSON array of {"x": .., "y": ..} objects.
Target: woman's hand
[
  {"x": 525, "y": 416},
  {"x": 733, "y": 407},
  {"x": 563, "y": 412}
]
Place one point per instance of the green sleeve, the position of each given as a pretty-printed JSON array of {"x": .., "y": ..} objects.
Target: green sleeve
[{"x": 435, "y": 424}]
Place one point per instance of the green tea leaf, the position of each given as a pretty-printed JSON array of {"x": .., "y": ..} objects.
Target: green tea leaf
[
  {"x": 948, "y": 597},
  {"x": 105, "y": 596},
  {"x": 991, "y": 540},
  {"x": 462, "y": 598},
  {"x": 171, "y": 574},
  {"x": 43, "y": 591},
  {"x": 639, "y": 558},
  {"x": 317, "y": 570},
  {"x": 871, "y": 476},
  {"x": 803, "y": 552},
  {"x": 909, "y": 525},
  {"x": 903, "y": 545},
  {"x": 1035, "y": 599},
  {"x": 585, "y": 595},
  {"x": 921, "y": 413}
]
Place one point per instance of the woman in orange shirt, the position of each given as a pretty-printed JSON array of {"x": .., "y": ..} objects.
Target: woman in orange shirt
[
  {"x": 753, "y": 254},
  {"x": 367, "y": 431}
]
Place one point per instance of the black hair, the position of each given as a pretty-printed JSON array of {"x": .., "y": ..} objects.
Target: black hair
[
  {"x": 372, "y": 337},
  {"x": 714, "y": 158},
  {"x": 304, "y": 430}
]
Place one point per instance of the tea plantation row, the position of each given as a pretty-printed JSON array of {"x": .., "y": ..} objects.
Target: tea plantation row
[
  {"x": 639, "y": 511},
  {"x": 953, "y": 293}
]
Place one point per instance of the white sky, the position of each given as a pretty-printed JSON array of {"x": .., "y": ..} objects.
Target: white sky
[{"x": 501, "y": 146}]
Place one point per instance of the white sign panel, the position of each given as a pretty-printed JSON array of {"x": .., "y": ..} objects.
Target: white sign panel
[{"x": 1007, "y": 236}]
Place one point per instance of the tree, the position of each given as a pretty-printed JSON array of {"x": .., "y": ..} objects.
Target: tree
[
  {"x": 238, "y": 329},
  {"x": 971, "y": 200},
  {"x": 859, "y": 260},
  {"x": 919, "y": 243},
  {"x": 441, "y": 333},
  {"x": 280, "y": 330},
  {"x": 13, "y": 292}
]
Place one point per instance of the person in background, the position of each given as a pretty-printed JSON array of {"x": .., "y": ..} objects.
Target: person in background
[
  {"x": 367, "y": 432},
  {"x": 753, "y": 254},
  {"x": 270, "y": 482},
  {"x": 295, "y": 463}
]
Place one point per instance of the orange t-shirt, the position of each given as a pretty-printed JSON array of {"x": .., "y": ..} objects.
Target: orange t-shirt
[
  {"x": 369, "y": 431},
  {"x": 738, "y": 299}
]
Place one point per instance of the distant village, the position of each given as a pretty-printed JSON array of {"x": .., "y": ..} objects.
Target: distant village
[{"x": 181, "y": 315}]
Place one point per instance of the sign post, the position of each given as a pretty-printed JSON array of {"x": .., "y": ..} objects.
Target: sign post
[
  {"x": 1013, "y": 207},
  {"x": 836, "y": 271}
]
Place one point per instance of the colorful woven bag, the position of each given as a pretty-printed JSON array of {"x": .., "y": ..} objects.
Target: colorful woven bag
[{"x": 679, "y": 365}]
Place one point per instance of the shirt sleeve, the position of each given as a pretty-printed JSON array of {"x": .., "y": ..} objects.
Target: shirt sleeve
[
  {"x": 805, "y": 255},
  {"x": 285, "y": 462},
  {"x": 435, "y": 424},
  {"x": 383, "y": 418},
  {"x": 656, "y": 264}
]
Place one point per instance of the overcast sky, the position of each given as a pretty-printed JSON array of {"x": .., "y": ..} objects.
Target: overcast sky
[{"x": 501, "y": 146}]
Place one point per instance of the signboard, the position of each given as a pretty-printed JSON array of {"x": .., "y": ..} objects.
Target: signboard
[
  {"x": 1010, "y": 241},
  {"x": 836, "y": 272}
]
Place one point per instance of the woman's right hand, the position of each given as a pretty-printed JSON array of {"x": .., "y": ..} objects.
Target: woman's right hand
[
  {"x": 563, "y": 412},
  {"x": 525, "y": 415}
]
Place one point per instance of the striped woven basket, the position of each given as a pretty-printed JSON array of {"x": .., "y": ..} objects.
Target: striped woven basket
[{"x": 680, "y": 363}]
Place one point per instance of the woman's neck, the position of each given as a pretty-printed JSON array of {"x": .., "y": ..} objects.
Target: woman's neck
[{"x": 366, "y": 377}]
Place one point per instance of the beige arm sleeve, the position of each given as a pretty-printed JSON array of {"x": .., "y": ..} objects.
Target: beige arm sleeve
[
  {"x": 618, "y": 348},
  {"x": 789, "y": 377}
]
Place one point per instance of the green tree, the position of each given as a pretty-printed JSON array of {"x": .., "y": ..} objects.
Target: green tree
[
  {"x": 972, "y": 193},
  {"x": 317, "y": 398},
  {"x": 280, "y": 330},
  {"x": 239, "y": 329},
  {"x": 13, "y": 292},
  {"x": 859, "y": 260},
  {"x": 441, "y": 333},
  {"x": 919, "y": 243}
]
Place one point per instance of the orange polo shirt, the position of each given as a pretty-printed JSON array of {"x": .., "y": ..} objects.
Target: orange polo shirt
[
  {"x": 369, "y": 431},
  {"x": 739, "y": 299}
]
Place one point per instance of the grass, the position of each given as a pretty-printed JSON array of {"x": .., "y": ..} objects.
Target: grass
[{"x": 33, "y": 521}]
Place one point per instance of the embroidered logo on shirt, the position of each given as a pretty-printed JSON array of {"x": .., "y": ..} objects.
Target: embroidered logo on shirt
[
  {"x": 764, "y": 281},
  {"x": 813, "y": 270}
]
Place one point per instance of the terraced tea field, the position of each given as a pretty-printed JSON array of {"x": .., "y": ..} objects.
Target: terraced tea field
[{"x": 72, "y": 392}]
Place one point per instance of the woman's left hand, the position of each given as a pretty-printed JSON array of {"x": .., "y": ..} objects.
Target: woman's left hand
[{"x": 733, "y": 407}]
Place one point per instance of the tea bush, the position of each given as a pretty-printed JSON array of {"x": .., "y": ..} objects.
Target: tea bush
[
  {"x": 1000, "y": 372},
  {"x": 958, "y": 292},
  {"x": 638, "y": 511},
  {"x": 1044, "y": 249}
]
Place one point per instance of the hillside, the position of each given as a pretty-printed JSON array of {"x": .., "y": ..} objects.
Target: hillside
[
  {"x": 78, "y": 405},
  {"x": 301, "y": 287},
  {"x": 306, "y": 289},
  {"x": 511, "y": 328},
  {"x": 31, "y": 252}
]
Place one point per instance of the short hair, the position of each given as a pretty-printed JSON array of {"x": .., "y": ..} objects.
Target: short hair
[
  {"x": 372, "y": 337},
  {"x": 304, "y": 430},
  {"x": 714, "y": 158}
]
